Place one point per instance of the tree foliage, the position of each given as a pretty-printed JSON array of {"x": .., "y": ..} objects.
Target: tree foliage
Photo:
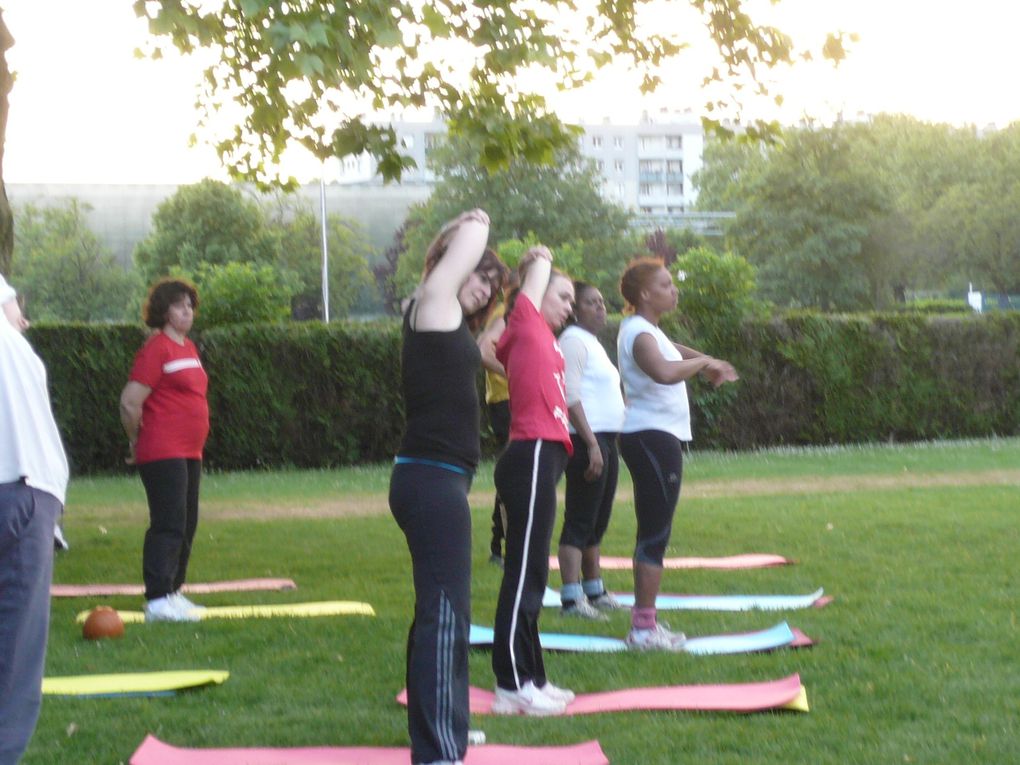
[
  {"x": 555, "y": 204},
  {"x": 304, "y": 73},
  {"x": 804, "y": 222},
  {"x": 205, "y": 223},
  {"x": 64, "y": 272},
  {"x": 214, "y": 224},
  {"x": 241, "y": 293},
  {"x": 855, "y": 216},
  {"x": 351, "y": 283}
]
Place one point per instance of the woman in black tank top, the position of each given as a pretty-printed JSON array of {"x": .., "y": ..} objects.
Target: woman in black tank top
[{"x": 432, "y": 474}]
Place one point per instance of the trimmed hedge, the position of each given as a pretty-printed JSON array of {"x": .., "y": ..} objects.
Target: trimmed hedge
[{"x": 313, "y": 395}]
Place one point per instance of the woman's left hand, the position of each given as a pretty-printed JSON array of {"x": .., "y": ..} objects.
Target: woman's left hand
[
  {"x": 595, "y": 464},
  {"x": 718, "y": 372}
]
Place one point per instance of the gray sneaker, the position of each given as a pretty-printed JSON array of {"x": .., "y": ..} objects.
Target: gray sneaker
[
  {"x": 582, "y": 609},
  {"x": 606, "y": 602},
  {"x": 658, "y": 639}
]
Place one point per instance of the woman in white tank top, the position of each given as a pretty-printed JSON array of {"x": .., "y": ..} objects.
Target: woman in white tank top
[{"x": 656, "y": 423}]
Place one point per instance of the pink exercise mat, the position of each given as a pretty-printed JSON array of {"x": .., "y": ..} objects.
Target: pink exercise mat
[
  {"x": 749, "y": 560},
  {"x": 739, "y": 697},
  {"x": 235, "y": 585},
  {"x": 154, "y": 752}
]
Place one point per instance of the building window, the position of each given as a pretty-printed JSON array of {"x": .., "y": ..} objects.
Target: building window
[
  {"x": 618, "y": 165},
  {"x": 648, "y": 142},
  {"x": 674, "y": 190},
  {"x": 650, "y": 166},
  {"x": 600, "y": 165},
  {"x": 618, "y": 142},
  {"x": 675, "y": 167},
  {"x": 407, "y": 141},
  {"x": 432, "y": 140},
  {"x": 674, "y": 142},
  {"x": 646, "y": 210},
  {"x": 596, "y": 142}
]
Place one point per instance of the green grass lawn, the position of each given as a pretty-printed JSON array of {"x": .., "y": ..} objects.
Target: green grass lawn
[{"x": 916, "y": 661}]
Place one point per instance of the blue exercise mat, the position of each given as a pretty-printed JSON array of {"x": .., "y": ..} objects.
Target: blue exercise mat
[
  {"x": 551, "y": 599},
  {"x": 764, "y": 640}
]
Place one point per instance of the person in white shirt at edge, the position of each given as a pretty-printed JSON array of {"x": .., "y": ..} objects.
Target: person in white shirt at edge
[
  {"x": 656, "y": 422},
  {"x": 33, "y": 484},
  {"x": 596, "y": 409}
]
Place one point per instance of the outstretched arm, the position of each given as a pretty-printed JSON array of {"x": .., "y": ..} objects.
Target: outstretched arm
[{"x": 666, "y": 372}]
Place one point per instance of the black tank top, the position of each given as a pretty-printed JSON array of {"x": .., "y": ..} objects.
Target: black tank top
[{"x": 438, "y": 378}]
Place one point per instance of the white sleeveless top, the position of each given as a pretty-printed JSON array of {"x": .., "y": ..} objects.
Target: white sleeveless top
[
  {"x": 651, "y": 406},
  {"x": 592, "y": 379}
]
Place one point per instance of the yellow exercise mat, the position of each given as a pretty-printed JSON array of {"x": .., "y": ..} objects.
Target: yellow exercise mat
[
  {"x": 324, "y": 608},
  {"x": 136, "y": 683}
]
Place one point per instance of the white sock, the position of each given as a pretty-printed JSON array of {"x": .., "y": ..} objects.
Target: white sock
[
  {"x": 571, "y": 592},
  {"x": 593, "y": 587}
]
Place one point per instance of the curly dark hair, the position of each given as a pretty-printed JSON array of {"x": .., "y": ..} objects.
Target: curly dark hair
[{"x": 162, "y": 295}]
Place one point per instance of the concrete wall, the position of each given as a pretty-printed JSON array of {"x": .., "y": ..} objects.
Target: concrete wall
[{"x": 121, "y": 215}]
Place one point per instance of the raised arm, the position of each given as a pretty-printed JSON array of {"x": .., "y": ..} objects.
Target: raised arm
[
  {"x": 536, "y": 269},
  {"x": 438, "y": 307},
  {"x": 666, "y": 372}
]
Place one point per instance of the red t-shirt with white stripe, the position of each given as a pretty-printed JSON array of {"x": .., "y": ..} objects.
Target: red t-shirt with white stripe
[
  {"x": 534, "y": 365},
  {"x": 175, "y": 416}
]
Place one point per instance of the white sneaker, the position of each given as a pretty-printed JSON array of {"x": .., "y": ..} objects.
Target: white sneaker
[
  {"x": 606, "y": 602},
  {"x": 183, "y": 602},
  {"x": 166, "y": 609},
  {"x": 556, "y": 693},
  {"x": 529, "y": 700},
  {"x": 582, "y": 609},
  {"x": 658, "y": 639},
  {"x": 476, "y": 737}
]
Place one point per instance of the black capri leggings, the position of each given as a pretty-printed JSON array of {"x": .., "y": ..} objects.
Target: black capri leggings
[
  {"x": 172, "y": 490},
  {"x": 589, "y": 504},
  {"x": 655, "y": 461}
]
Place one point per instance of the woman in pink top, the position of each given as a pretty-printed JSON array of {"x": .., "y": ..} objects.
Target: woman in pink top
[{"x": 526, "y": 477}]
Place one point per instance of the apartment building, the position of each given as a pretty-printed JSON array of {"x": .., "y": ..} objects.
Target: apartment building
[{"x": 646, "y": 166}]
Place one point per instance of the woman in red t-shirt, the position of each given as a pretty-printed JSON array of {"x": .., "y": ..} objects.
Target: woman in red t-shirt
[
  {"x": 166, "y": 417},
  {"x": 526, "y": 477}
]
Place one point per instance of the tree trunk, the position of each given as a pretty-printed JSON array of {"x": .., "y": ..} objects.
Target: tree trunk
[{"x": 6, "y": 216}]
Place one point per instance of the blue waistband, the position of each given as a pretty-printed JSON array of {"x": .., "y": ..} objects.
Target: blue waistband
[{"x": 432, "y": 463}]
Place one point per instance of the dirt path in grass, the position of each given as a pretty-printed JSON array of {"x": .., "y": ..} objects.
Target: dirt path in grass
[{"x": 354, "y": 505}]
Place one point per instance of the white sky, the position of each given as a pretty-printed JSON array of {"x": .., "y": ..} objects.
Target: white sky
[{"x": 84, "y": 109}]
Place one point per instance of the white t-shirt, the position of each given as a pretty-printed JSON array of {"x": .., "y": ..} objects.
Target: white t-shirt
[
  {"x": 7, "y": 292},
  {"x": 30, "y": 446},
  {"x": 592, "y": 379},
  {"x": 651, "y": 406}
]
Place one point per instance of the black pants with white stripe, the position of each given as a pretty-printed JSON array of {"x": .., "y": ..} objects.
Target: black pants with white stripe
[
  {"x": 430, "y": 506},
  {"x": 526, "y": 477}
]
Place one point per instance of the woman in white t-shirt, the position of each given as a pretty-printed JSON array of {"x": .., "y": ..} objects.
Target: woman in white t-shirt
[
  {"x": 656, "y": 422},
  {"x": 595, "y": 406}
]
